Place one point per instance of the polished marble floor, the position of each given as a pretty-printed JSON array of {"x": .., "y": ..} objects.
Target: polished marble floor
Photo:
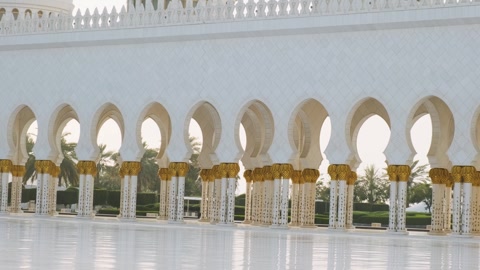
[{"x": 69, "y": 243}]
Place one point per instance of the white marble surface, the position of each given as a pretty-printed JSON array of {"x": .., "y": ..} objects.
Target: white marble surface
[{"x": 70, "y": 243}]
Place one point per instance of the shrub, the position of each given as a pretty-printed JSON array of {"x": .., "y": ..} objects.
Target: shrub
[
  {"x": 113, "y": 198},
  {"x": 240, "y": 200},
  {"x": 146, "y": 198},
  {"x": 100, "y": 197},
  {"x": 380, "y": 207},
  {"x": 418, "y": 220},
  {"x": 29, "y": 194},
  {"x": 69, "y": 196},
  {"x": 321, "y": 207},
  {"x": 362, "y": 207}
]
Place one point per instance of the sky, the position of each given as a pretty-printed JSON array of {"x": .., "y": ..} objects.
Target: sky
[{"x": 372, "y": 138}]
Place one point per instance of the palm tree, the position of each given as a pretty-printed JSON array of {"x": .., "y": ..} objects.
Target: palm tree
[
  {"x": 148, "y": 179},
  {"x": 105, "y": 158},
  {"x": 68, "y": 167},
  {"x": 371, "y": 187},
  {"x": 193, "y": 185}
]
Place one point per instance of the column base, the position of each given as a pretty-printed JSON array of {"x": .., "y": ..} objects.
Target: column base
[
  {"x": 351, "y": 227},
  {"x": 247, "y": 222},
  {"x": 162, "y": 218}
]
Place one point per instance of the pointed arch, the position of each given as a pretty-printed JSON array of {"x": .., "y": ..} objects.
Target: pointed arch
[
  {"x": 20, "y": 120},
  {"x": 304, "y": 133},
  {"x": 210, "y": 124},
  {"x": 443, "y": 128},
  {"x": 161, "y": 117},
  {"x": 257, "y": 120},
  {"x": 362, "y": 111},
  {"x": 59, "y": 119},
  {"x": 105, "y": 112}
]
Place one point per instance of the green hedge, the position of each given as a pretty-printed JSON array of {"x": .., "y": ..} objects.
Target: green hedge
[
  {"x": 146, "y": 198},
  {"x": 69, "y": 196},
  {"x": 380, "y": 207},
  {"x": 113, "y": 198},
  {"x": 100, "y": 197},
  {"x": 29, "y": 194},
  {"x": 240, "y": 200}
]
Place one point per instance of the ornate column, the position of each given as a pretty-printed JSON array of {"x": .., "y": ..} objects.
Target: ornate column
[
  {"x": 232, "y": 172},
  {"x": 248, "y": 196},
  {"x": 468, "y": 174},
  {"x": 258, "y": 178},
  {"x": 223, "y": 193},
  {"x": 403, "y": 172},
  {"x": 129, "y": 171},
  {"x": 285, "y": 174},
  {"x": 204, "y": 203},
  {"x": 277, "y": 173},
  {"x": 457, "y": 194},
  {"x": 6, "y": 167},
  {"x": 447, "y": 206},
  {"x": 135, "y": 168},
  {"x": 172, "y": 204},
  {"x": 87, "y": 171},
  {"x": 475, "y": 202},
  {"x": 438, "y": 176},
  {"x": 211, "y": 194},
  {"x": 164, "y": 176},
  {"x": 332, "y": 171},
  {"x": 182, "y": 170},
  {"x": 44, "y": 170},
  {"x": 343, "y": 171},
  {"x": 53, "y": 190},
  {"x": 18, "y": 173},
  {"x": 296, "y": 206},
  {"x": 302, "y": 200},
  {"x": 352, "y": 178},
  {"x": 309, "y": 177},
  {"x": 268, "y": 195},
  {"x": 392, "y": 219}
]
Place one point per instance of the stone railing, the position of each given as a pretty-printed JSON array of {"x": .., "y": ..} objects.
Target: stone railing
[{"x": 207, "y": 12}]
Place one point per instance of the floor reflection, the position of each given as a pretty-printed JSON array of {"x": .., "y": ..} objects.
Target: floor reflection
[{"x": 69, "y": 243}]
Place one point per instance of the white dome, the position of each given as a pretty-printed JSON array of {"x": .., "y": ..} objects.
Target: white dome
[{"x": 21, "y": 7}]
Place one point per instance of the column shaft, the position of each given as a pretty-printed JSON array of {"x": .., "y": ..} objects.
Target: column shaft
[
  {"x": 332, "y": 223},
  {"x": 401, "y": 206},
  {"x": 342, "y": 204},
  {"x": 284, "y": 202},
  {"x": 350, "y": 194},
  {"x": 466, "y": 210},
  {"x": 223, "y": 200},
  {"x": 276, "y": 201},
  {"x": 457, "y": 209},
  {"x": 392, "y": 220},
  {"x": 231, "y": 200}
]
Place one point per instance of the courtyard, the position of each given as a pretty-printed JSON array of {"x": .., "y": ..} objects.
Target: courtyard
[{"x": 67, "y": 242}]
